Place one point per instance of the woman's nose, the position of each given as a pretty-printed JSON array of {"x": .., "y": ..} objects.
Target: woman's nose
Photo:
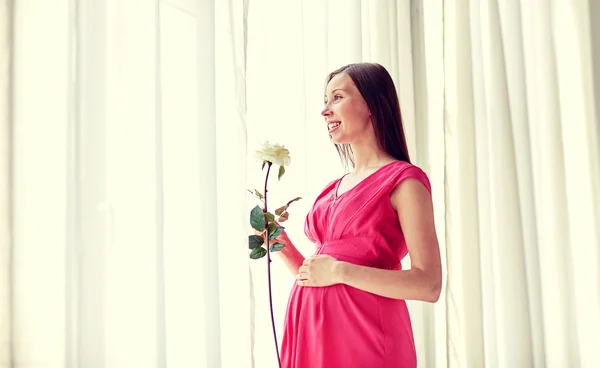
[{"x": 325, "y": 111}]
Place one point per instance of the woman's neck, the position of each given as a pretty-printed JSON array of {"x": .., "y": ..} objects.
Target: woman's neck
[{"x": 368, "y": 156}]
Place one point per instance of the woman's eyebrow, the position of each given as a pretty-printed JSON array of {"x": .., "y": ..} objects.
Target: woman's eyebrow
[{"x": 337, "y": 89}]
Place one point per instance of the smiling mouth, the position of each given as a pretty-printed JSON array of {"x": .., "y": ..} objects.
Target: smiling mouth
[{"x": 331, "y": 126}]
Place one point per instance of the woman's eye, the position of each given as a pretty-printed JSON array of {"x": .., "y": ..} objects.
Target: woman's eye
[{"x": 335, "y": 98}]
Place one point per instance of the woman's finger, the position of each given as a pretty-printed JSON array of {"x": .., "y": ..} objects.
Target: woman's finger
[{"x": 302, "y": 276}]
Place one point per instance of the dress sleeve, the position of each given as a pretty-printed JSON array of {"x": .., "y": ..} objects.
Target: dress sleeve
[{"x": 409, "y": 171}]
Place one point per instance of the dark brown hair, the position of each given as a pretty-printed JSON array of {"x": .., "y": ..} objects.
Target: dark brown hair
[{"x": 377, "y": 88}]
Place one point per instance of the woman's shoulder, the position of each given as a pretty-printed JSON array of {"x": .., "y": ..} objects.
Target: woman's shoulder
[{"x": 402, "y": 170}]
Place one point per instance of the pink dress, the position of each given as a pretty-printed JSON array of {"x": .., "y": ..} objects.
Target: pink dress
[{"x": 340, "y": 326}]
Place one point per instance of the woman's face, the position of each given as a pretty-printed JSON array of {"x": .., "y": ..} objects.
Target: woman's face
[{"x": 346, "y": 112}]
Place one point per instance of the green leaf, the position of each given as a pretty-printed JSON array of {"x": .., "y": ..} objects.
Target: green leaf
[
  {"x": 258, "y": 253},
  {"x": 272, "y": 228},
  {"x": 270, "y": 217},
  {"x": 281, "y": 172},
  {"x": 281, "y": 210},
  {"x": 263, "y": 165},
  {"x": 255, "y": 241},
  {"x": 277, "y": 247},
  {"x": 257, "y": 219},
  {"x": 276, "y": 233}
]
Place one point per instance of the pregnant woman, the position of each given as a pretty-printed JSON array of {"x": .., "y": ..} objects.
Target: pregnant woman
[{"x": 347, "y": 308}]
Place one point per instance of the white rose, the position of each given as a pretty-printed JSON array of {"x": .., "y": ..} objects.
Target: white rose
[{"x": 274, "y": 153}]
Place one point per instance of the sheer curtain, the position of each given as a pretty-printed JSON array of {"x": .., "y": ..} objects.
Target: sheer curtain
[
  {"x": 499, "y": 101},
  {"x": 5, "y": 181},
  {"x": 522, "y": 185},
  {"x": 176, "y": 274},
  {"x": 125, "y": 247},
  {"x": 36, "y": 176}
]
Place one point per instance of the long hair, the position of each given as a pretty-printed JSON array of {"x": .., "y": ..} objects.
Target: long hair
[{"x": 377, "y": 88}]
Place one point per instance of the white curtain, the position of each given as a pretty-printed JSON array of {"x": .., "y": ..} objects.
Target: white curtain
[
  {"x": 175, "y": 275},
  {"x": 5, "y": 182},
  {"x": 499, "y": 102},
  {"x": 38, "y": 157},
  {"x": 125, "y": 248},
  {"x": 523, "y": 184}
]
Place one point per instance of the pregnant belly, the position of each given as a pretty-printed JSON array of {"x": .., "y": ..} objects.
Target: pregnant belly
[
  {"x": 342, "y": 324},
  {"x": 343, "y": 319}
]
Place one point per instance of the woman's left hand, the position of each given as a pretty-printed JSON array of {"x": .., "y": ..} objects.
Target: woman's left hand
[{"x": 318, "y": 270}]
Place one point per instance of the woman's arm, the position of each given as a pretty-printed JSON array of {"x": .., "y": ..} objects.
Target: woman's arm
[
  {"x": 291, "y": 256},
  {"x": 422, "y": 281},
  {"x": 412, "y": 284}
]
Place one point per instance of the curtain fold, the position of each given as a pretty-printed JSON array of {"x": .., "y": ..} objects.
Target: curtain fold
[
  {"x": 236, "y": 298},
  {"x": 464, "y": 290},
  {"x": 39, "y": 145},
  {"x": 581, "y": 152},
  {"x": 427, "y": 38},
  {"x": 208, "y": 187},
  {"x": 6, "y": 289}
]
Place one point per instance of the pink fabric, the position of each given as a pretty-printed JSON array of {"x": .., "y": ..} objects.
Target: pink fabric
[{"x": 341, "y": 326}]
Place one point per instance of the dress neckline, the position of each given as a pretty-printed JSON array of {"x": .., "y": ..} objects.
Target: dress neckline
[{"x": 337, "y": 196}]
